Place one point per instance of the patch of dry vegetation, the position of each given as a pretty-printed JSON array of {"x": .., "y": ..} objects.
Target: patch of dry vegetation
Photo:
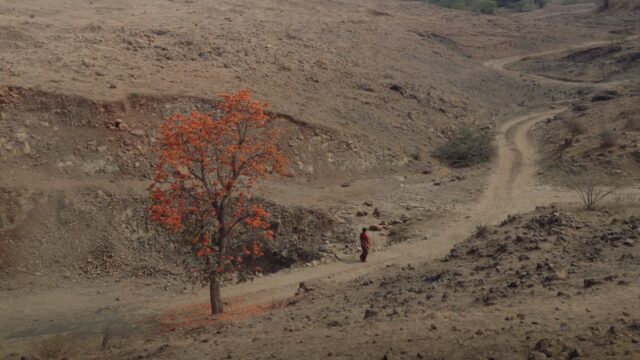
[
  {"x": 467, "y": 148},
  {"x": 608, "y": 138}
]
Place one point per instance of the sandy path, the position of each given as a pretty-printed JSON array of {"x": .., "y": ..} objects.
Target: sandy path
[{"x": 512, "y": 188}]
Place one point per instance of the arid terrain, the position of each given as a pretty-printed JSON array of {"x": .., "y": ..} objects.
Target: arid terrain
[{"x": 494, "y": 261}]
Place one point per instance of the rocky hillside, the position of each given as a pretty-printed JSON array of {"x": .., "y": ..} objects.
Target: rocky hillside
[
  {"x": 558, "y": 283},
  {"x": 384, "y": 79},
  {"x": 617, "y": 61},
  {"x": 598, "y": 136},
  {"x": 73, "y": 191},
  {"x": 598, "y": 133}
]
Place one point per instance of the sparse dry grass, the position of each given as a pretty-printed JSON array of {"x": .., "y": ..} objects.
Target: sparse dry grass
[
  {"x": 52, "y": 348},
  {"x": 575, "y": 126},
  {"x": 399, "y": 234},
  {"x": 467, "y": 148},
  {"x": 608, "y": 138}
]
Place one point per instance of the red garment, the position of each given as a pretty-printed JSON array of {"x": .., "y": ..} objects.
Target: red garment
[
  {"x": 364, "y": 241},
  {"x": 366, "y": 244}
]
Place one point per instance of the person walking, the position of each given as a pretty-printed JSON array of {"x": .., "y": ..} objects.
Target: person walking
[{"x": 365, "y": 243}]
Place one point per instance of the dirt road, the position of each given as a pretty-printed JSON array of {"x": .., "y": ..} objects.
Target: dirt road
[{"x": 512, "y": 188}]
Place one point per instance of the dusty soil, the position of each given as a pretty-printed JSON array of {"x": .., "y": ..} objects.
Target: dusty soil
[
  {"x": 598, "y": 134},
  {"x": 555, "y": 283},
  {"x": 365, "y": 90}
]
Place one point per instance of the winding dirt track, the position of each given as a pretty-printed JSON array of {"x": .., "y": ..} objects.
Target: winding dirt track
[{"x": 512, "y": 188}]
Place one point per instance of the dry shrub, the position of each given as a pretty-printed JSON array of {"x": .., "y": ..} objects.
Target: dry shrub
[
  {"x": 469, "y": 147},
  {"x": 608, "y": 138},
  {"x": 52, "y": 348},
  {"x": 591, "y": 192},
  {"x": 575, "y": 126},
  {"x": 399, "y": 234}
]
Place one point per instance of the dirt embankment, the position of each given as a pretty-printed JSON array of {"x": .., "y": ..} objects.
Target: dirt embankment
[
  {"x": 75, "y": 173},
  {"x": 73, "y": 189},
  {"x": 616, "y": 61}
]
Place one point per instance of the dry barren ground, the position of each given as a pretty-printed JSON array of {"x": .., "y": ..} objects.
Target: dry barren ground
[{"x": 366, "y": 89}]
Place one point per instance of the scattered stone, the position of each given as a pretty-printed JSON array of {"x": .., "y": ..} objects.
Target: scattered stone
[
  {"x": 605, "y": 95},
  {"x": 580, "y": 107},
  {"x": 118, "y": 124},
  {"x": 369, "y": 313},
  {"x": 535, "y": 355},
  {"x": 574, "y": 353},
  {"x": 544, "y": 346},
  {"x": 592, "y": 282},
  {"x": 137, "y": 132},
  {"x": 305, "y": 287},
  {"x": 397, "y": 88}
]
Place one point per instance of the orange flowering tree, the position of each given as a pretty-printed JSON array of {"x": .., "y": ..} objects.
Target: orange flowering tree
[{"x": 205, "y": 175}]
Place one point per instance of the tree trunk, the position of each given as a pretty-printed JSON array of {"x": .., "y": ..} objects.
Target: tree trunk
[
  {"x": 214, "y": 285},
  {"x": 214, "y": 295}
]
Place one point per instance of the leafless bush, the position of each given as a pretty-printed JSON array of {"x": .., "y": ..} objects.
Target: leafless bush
[
  {"x": 591, "y": 192},
  {"x": 575, "y": 126},
  {"x": 608, "y": 138}
]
